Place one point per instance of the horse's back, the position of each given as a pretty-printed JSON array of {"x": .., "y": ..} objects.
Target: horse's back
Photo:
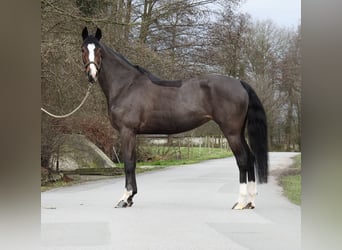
[
  {"x": 220, "y": 87},
  {"x": 224, "y": 83}
]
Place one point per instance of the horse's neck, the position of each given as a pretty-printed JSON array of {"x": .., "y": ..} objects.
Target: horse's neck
[{"x": 115, "y": 74}]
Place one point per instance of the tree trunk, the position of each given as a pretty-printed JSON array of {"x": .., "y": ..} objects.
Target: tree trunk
[{"x": 146, "y": 20}]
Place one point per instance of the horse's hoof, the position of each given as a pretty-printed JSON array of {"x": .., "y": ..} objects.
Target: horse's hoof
[
  {"x": 122, "y": 204},
  {"x": 238, "y": 206},
  {"x": 130, "y": 201},
  {"x": 249, "y": 205},
  {"x": 241, "y": 206}
]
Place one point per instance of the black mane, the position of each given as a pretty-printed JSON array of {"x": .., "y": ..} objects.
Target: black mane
[
  {"x": 152, "y": 77},
  {"x": 157, "y": 80}
]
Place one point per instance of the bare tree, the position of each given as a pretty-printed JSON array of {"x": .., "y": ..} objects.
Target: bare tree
[
  {"x": 267, "y": 50},
  {"x": 228, "y": 39},
  {"x": 291, "y": 86}
]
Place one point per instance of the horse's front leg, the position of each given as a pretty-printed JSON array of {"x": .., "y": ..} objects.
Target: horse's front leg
[{"x": 128, "y": 143}]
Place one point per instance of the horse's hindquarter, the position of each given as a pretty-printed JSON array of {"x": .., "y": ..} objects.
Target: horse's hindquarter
[{"x": 228, "y": 98}]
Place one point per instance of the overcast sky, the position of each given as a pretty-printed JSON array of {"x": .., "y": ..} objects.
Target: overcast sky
[{"x": 283, "y": 12}]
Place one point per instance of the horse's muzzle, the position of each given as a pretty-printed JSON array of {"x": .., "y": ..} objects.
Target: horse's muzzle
[{"x": 91, "y": 79}]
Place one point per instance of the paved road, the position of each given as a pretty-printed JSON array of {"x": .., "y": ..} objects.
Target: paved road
[{"x": 185, "y": 207}]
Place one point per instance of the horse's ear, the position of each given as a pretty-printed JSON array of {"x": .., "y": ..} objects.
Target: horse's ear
[
  {"x": 98, "y": 34},
  {"x": 85, "y": 33}
]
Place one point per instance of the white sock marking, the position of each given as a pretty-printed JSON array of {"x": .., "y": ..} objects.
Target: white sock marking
[
  {"x": 242, "y": 193},
  {"x": 252, "y": 191},
  {"x": 126, "y": 195}
]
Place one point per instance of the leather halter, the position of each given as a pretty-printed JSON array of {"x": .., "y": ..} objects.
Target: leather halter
[{"x": 98, "y": 66}]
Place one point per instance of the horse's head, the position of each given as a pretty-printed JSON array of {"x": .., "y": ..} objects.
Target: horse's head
[{"x": 91, "y": 54}]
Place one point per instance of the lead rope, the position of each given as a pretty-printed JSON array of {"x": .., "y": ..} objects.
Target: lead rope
[{"x": 69, "y": 114}]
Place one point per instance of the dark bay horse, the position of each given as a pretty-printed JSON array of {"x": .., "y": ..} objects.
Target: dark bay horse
[{"x": 141, "y": 103}]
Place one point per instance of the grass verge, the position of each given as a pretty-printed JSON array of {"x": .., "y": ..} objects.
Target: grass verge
[{"x": 290, "y": 180}]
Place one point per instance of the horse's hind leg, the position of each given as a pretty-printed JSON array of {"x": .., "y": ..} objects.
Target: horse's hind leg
[
  {"x": 245, "y": 162},
  {"x": 251, "y": 184}
]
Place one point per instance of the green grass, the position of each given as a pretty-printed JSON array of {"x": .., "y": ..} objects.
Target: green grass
[
  {"x": 291, "y": 182},
  {"x": 168, "y": 156},
  {"x": 56, "y": 184}
]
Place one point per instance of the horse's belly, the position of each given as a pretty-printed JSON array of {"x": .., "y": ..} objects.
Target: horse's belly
[{"x": 172, "y": 124}]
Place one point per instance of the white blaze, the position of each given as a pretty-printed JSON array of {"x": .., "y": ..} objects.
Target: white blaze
[{"x": 91, "y": 49}]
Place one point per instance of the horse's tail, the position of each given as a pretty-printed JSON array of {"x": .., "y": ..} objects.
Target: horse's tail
[{"x": 257, "y": 133}]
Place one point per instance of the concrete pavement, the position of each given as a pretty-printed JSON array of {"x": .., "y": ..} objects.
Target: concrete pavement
[{"x": 184, "y": 207}]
